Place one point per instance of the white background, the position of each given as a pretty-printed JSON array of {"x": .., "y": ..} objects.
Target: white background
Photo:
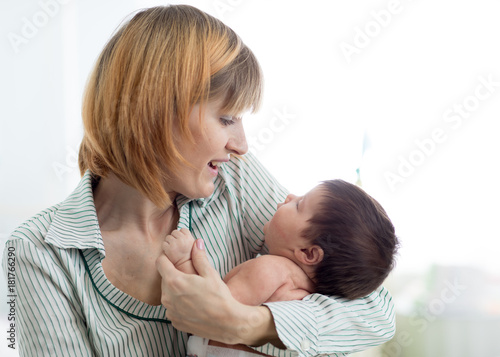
[{"x": 412, "y": 65}]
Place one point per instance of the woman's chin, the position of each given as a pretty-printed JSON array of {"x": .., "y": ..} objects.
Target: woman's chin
[{"x": 202, "y": 192}]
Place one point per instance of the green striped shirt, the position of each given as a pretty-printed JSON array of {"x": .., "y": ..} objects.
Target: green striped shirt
[{"x": 65, "y": 306}]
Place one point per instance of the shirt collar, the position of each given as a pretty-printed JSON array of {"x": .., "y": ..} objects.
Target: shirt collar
[{"x": 75, "y": 223}]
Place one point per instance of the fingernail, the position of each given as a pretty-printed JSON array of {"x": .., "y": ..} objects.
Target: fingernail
[{"x": 200, "y": 244}]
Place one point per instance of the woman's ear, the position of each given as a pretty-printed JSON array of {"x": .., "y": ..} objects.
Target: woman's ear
[{"x": 310, "y": 256}]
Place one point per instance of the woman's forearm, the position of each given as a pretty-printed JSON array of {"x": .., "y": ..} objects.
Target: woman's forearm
[{"x": 257, "y": 327}]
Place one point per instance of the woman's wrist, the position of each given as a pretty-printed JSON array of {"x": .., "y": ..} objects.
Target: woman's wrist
[{"x": 256, "y": 327}]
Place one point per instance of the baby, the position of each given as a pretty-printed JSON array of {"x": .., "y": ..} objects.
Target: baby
[{"x": 335, "y": 240}]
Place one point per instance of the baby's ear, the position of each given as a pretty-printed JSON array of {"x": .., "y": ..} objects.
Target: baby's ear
[{"x": 311, "y": 255}]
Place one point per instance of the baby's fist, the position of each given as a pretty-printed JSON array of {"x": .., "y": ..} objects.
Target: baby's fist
[{"x": 177, "y": 246}]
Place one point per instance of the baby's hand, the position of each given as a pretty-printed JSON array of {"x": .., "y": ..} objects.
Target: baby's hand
[{"x": 177, "y": 247}]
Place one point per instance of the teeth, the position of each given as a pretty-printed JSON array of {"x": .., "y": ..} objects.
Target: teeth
[{"x": 215, "y": 163}]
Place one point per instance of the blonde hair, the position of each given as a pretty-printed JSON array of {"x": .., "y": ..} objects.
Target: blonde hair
[{"x": 145, "y": 82}]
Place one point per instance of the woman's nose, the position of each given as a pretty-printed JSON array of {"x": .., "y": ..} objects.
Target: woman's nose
[{"x": 237, "y": 142}]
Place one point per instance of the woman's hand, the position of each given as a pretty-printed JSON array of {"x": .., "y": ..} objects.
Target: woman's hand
[{"x": 203, "y": 305}]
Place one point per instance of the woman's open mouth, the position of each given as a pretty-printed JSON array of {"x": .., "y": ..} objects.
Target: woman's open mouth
[{"x": 214, "y": 166}]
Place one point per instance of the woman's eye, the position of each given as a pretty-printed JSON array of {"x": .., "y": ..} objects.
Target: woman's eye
[{"x": 226, "y": 120}]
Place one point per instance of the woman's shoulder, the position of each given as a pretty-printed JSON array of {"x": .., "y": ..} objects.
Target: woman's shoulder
[
  {"x": 246, "y": 173},
  {"x": 64, "y": 224},
  {"x": 239, "y": 165},
  {"x": 35, "y": 228},
  {"x": 247, "y": 167}
]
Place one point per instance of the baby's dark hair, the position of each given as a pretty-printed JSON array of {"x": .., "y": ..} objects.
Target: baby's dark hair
[{"x": 358, "y": 240}]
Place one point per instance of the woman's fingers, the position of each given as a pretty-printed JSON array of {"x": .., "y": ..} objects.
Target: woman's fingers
[
  {"x": 200, "y": 260},
  {"x": 171, "y": 277}
]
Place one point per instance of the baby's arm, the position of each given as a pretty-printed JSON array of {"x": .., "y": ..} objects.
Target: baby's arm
[{"x": 177, "y": 247}]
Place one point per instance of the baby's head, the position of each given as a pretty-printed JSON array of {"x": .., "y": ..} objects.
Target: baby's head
[{"x": 340, "y": 231}]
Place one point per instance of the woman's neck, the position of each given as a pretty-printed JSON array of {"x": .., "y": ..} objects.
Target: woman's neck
[{"x": 121, "y": 207}]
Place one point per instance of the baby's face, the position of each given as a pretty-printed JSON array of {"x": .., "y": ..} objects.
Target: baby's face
[{"x": 282, "y": 232}]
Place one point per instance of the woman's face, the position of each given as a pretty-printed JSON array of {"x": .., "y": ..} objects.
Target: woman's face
[{"x": 219, "y": 135}]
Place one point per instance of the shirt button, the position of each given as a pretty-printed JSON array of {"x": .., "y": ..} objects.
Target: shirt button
[{"x": 305, "y": 344}]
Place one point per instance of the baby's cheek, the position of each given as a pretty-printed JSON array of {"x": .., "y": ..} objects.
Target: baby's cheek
[{"x": 281, "y": 222}]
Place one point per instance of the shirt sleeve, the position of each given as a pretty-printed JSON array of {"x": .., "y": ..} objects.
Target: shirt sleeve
[
  {"x": 46, "y": 320},
  {"x": 334, "y": 326},
  {"x": 318, "y": 324}
]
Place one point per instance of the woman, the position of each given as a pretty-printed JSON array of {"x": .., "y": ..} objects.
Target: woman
[{"x": 163, "y": 136}]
